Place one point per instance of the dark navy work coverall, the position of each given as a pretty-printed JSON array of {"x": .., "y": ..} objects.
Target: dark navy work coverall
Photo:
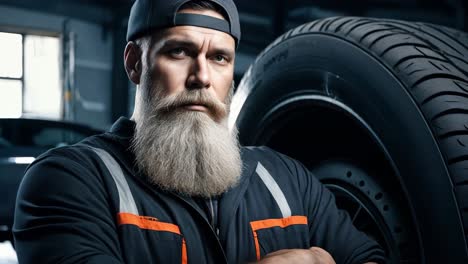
[{"x": 87, "y": 203}]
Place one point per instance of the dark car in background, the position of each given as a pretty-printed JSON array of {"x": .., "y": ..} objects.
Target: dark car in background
[{"x": 21, "y": 141}]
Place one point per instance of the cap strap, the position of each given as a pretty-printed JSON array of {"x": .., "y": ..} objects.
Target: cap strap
[{"x": 187, "y": 19}]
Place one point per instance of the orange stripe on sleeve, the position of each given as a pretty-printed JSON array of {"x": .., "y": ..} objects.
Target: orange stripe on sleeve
[{"x": 146, "y": 222}]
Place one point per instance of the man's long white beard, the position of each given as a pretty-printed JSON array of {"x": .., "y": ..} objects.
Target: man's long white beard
[{"x": 187, "y": 151}]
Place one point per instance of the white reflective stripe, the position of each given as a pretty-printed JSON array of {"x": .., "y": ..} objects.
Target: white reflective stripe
[
  {"x": 274, "y": 189},
  {"x": 126, "y": 201}
]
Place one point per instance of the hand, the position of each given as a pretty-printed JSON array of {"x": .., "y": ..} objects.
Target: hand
[{"x": 313, "y": 255}]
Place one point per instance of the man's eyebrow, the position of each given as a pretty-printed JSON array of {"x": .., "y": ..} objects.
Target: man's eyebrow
[
  {"x": 190, "y": 44},
  {"x": 179, "y": 42}
]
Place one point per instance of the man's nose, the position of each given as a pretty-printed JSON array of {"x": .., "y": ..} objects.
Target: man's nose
[{"x": 199, "y": 75}]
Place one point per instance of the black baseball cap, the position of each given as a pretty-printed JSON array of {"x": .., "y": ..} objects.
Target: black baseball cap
[{"x": 147, "y": 15}]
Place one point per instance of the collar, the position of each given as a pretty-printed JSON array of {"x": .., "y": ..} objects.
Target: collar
[{"x": 123, "y": 127}]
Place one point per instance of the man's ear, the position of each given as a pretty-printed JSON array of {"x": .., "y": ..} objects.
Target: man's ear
[{"x": 132, "y": 61}]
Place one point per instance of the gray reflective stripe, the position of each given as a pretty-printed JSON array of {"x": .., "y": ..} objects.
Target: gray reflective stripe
[
  {"x": 274, "y": 189},
  {"x": 126, "y": 201}
]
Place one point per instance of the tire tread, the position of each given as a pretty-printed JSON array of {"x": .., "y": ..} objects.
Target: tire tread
[
  {"x": 434, "y": 67},
  {"x": 432, "y": 62}
]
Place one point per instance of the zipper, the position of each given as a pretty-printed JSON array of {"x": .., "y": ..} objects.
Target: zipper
[
  {"x": 214, "y": 222},
  {"x": 214, "y": 232}
]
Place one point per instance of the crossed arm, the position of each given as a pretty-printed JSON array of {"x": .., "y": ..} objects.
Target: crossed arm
[{"x": 314, "y": 255}]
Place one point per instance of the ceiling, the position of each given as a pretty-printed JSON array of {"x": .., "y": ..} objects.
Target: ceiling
[
  {"x": 273, "y": 17},
  {"x": 269, "y": 18}
]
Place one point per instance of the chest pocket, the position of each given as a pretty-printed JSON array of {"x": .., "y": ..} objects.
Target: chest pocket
[
  {"x": 144, "y": 239},
  {"x": 151, "y": 240},
  {"x": 281, "y": 233},
  {"x": 284, "y": 233}
]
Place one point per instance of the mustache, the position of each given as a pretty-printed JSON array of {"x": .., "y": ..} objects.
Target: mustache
[{"x": 172, "y": 102}]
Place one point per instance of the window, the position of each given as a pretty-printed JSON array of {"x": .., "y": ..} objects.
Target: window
[{"x": 30, "y": 76}]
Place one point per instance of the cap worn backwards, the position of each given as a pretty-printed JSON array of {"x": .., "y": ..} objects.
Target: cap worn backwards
[{"x": 147, "y": 15}]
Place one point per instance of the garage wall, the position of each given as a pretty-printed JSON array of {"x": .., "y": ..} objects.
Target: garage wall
[
  {"x": 93, "y": 74},
  {"x": 92, "y": 61}
]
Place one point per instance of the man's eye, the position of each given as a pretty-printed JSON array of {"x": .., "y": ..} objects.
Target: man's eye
[
  {"x": 220, "y": 58},
  {"x": 178, "y": 52}
]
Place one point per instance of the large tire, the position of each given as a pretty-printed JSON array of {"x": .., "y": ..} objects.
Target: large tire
[{"x": 378, "y": 109}]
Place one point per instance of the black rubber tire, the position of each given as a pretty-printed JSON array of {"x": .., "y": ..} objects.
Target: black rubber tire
[{"x": 408, "y": 85}]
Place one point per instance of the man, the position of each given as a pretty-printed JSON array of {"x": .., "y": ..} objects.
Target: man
[{"x": 172, "y": 185}]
